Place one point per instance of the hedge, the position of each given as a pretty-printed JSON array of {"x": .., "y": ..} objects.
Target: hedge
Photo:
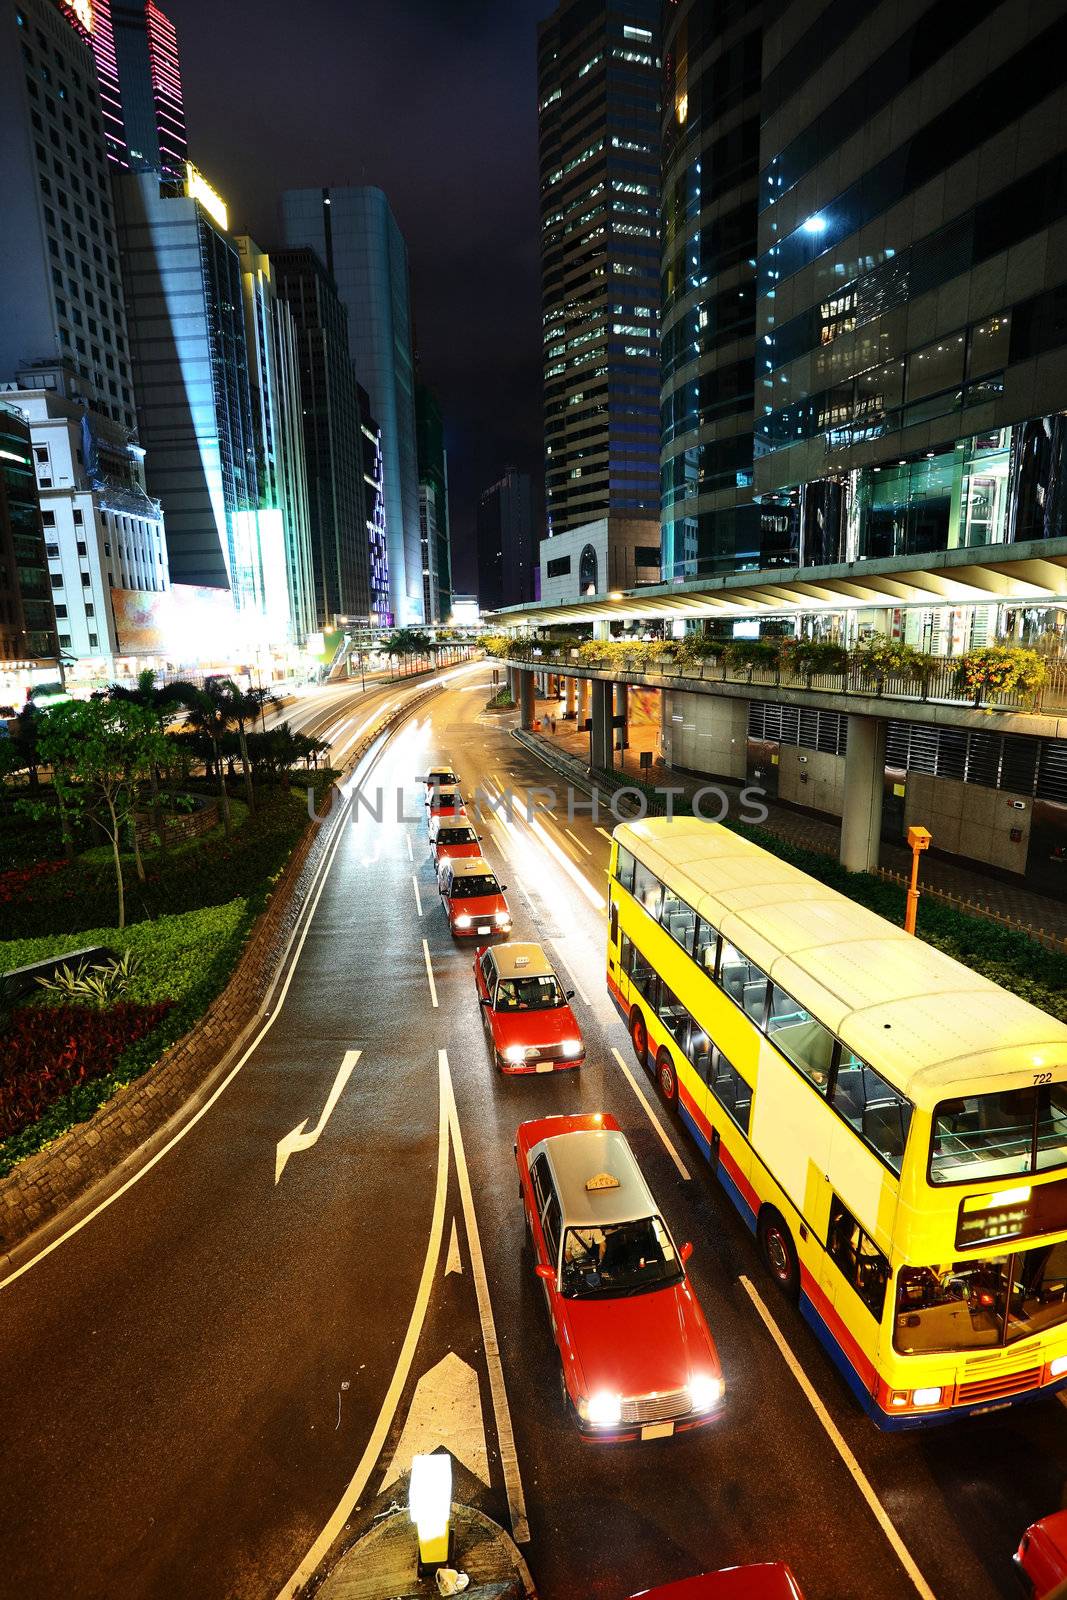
[{"x": 185, "y": 959}]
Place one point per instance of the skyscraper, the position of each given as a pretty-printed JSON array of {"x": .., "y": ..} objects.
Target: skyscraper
[
  {"x": 355, "y": 233},
  {"x": 433, "y": 506},
  {"x": 506, "y": 552},
  {"x": 278, "y": 429},
  {"x": 187, "y": 336},
  {"x": 711, "y": 131},
  {"x": 598, "y": 104},
  {"x": 27, "y": 620},
  {"x": 150, "y": 83},
  {"x": 61, "y": 295},
  {"x": 333, "y": 444},
  {"x": 374, "y": 501},
  {"x": 93, "y": 18}
]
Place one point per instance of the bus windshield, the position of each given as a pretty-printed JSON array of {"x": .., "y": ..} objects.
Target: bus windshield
[
  {"x": 983, "y": 1136},
  {"x": 971, "y": 1304},
  {"x": 618, "y": 1259}
]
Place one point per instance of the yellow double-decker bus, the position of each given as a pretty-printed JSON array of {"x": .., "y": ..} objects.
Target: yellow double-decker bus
[{"x": 890, "y": 1124}]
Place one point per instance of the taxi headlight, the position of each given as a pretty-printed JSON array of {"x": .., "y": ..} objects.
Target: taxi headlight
[
  {"x": 572, "y": 1048},
  {"x": 603, "y": 1410},
  {"x": 503, "y": 916},
  {"x": 463, "y": 920},
  {"x": 926, "y": 1397},
  {"x": 515, "y": 1052},
  {"x": 1057, "y": 1368},
  {"x": 705, "y": 1391}
]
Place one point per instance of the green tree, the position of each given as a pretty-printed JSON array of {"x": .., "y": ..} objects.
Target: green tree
[
  {"x": 210, "y": 713},
  {"x": 99, "y": 752},
  {"x": 244, "y": 706}
]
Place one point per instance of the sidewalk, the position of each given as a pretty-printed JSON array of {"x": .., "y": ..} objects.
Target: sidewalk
[{"x": 968, "y": 888}]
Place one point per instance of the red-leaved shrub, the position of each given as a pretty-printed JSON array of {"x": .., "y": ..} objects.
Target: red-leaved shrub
[
  {"x": 45, "y": 1051},
  {"x": 18, "y": 881}
]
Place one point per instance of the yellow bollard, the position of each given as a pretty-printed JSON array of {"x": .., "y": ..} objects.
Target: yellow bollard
[{"x": 430, "y": 1509}]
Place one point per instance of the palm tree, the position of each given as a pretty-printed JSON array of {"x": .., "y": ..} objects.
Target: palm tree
[
  {"x": 244, "y": 706},
  {"x": 210, "y": 714}
]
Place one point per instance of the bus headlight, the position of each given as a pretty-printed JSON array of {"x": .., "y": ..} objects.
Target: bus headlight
[
  {"x": 705, "y": 1391},
  {"x": 571, "y": 1048},
  {"x": 926, "y": 1397},
  {"x": 515, "y": 1053},
  {"x": 1057, "y": 1368},
  {"x": 463, "y": 920},
  {"x": 603, "y": 1410}
]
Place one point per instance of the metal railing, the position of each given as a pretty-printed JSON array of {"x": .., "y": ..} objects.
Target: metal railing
[{"x": 937, "y": 684}]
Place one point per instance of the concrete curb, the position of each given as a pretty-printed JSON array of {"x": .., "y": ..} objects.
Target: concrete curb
[{"x": 48, "y": 1191}]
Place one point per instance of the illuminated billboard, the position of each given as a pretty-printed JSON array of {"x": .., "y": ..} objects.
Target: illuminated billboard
[{"x": 198, "y": 188}]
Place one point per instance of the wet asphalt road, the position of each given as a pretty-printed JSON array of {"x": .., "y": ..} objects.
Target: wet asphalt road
[{"x": 191, "y": 1381}]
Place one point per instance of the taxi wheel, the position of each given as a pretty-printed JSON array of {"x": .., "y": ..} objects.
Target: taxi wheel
[
  {"x": 779, "y": 1252},
  {"x": 639, "y": 1035},
  {"x": 665, "y": 1078}
]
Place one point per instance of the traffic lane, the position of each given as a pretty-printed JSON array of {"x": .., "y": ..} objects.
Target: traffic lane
[
  {"x": 705, "y": 1497},
  {"x": 932, "y": 1482},
  {"x": 188, "y": 1347}
]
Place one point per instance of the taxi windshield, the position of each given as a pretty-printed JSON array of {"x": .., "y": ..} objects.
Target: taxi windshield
[
  {"x": 445, "y": 797},
  {"x": 529, "y": 994},
  {"x": 474, "y": 887},
  {"x": 618, "y": 1259},
  {"x": 456, "y": 836}
]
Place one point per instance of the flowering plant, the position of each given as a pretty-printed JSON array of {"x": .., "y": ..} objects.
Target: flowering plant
[{"x": 1000, "y": 669}]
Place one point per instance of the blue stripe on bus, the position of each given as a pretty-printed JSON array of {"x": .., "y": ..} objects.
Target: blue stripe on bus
[{"x": 724, "y": 1178}]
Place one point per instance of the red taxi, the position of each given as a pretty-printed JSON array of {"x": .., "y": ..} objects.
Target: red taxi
[
  {"x": 528, "y": 1022},
  {"x": 638, "y": 1360},
  {"x": 473, "y": 898},
  {"x": 1041, "y": 1559},
  {"x": 451, "y": 838},
  {"x": 766, "y": 1580},
  {"x": 445, "y": 803},
  {"x": 440, "y": 778}
]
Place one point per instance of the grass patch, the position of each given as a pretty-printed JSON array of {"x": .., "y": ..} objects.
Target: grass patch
[
  {"x": 99, "y": 855},
  {"x": 186, "y": 959}
]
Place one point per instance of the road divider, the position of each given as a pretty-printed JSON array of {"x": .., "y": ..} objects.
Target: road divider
[{"x": 298, "y": 1139}]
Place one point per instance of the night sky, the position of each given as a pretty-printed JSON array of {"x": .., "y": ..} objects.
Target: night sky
[{"x": 435, "y": 102}]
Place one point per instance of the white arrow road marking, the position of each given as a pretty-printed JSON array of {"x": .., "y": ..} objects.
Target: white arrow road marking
[
  {"x": 453, "y": 1261},
  {"x": 445, "y": 1410},
  {"x": 298, "y": 1139}
]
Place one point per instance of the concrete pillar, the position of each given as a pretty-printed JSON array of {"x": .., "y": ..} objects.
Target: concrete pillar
[
  {"x": 601, "y": 630},
  {"x": 600, "y": 733},
  {"x": 526, "y": 699},
  {"x": 622, "y": 709},
  {"x": 513, "y": 683},
  {"x": 665, "y": 730},
  {"x": 861, "y": 821},
  {"x": 583, "y": 700},
  {"x": 570, "y": 692}
]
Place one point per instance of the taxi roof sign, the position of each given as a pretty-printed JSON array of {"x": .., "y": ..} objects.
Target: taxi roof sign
[{"x": 601, "y": 1180}]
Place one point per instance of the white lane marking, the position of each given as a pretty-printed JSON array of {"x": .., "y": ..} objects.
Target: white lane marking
[
  {"x": 509, "y": 1461},
  {"x": 569, "y": 970},
  {"x": 605, "y": 832},
  {"x": 298, "y": 1139},
  {"x": 271, "y": 1018},
  {"x": 859, "y": 1477},
  {"x": 446, "y": 1409},
  {"x": 453, "y": 1261},
  {"x": 596, "y": 900},
  {"x": 578, "y": 842},
  {"x": 651, "y": 1115},
  {"x": 380, "y": 1432},
  {"x": 418, "y": 896},
  {"x": 407, "y": 841},
  {"x": 429, "y": 974}
]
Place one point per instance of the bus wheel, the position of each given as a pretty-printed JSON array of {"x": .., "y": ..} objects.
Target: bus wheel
[
  {"x": 639, "y": 1035},
  {"x": 779, "y": 1251},
  {"x": 665, "y": 1078}
]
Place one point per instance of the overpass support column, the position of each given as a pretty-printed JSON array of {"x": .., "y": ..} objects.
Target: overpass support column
[
  {"x": 583, "y": 701},
  {"x": 571, "y": 684},
  {"x": 525, "y": 699},
  {"x": 513, "y": 683},
  {"x": 600, "y": 733},
  {"x": 861, "y": 821},
  {"x": 622, "y": 709}
]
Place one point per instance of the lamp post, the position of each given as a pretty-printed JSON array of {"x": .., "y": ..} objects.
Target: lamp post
[{"x": 919, "y": 840}]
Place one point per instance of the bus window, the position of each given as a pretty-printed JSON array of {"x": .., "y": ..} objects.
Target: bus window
[
  {"x": 705, "y": 945},
  {"x": 648, "y": 890},
  {"x": 625, "y": 956},
  {"x": 730, "y": 1089},
  {"x": 878, "y": 1112},
  {"x": 624, "y": 869},
  {"x": 743, "y": 982},
  {"x": 973, "y": 1303},
  {"x": 679, "y": 920},
  {"x": 699, "y": 1051},
  {"x": 644, "y": 978},
  {"x": 674, "y": 1016},
  {"x": 986, "y": 1135},
  {"x": 1052, "y": 1126},
  {"x": 858, "y": 1257},
  {"x": 806, "y": 1042}
]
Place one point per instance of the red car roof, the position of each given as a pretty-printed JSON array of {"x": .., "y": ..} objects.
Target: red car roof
[{"x": 767, "y": 1580}]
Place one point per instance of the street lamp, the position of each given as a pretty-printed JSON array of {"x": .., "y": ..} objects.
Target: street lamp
[{"x": 919, "y": 840}]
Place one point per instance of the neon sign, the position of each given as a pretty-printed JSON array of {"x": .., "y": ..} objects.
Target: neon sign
[{"x": 198, "y": 188}]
